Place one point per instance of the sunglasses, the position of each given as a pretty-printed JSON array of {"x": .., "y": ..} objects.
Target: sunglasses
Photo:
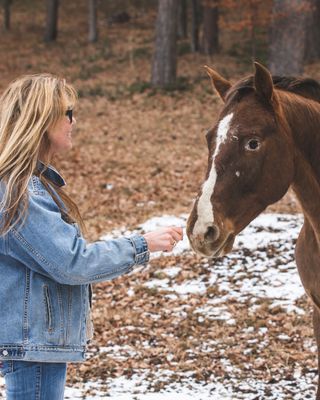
[{"x": 69, "y": 115}]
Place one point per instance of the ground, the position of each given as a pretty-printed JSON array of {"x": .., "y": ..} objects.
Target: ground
[
  {"x": 140, "y": 153},
  {"x": 235, "y": 328}
]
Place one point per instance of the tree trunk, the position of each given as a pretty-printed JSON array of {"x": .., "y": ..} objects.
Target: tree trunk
[
  {"x": 93, "y": 16},
  {"x": 6, "y": 12},
  {"x": 51, "y": 31},
  {"x": 182, "y": 19},
  {"x": 210, "y": 39},
  {"x": 195, "y": 22},
  {"x": 253, "y": 28},
  {"x": 164, "y": 67},
  {"x": 312, "y": 50},
  {"x": 288, "y": 36}
]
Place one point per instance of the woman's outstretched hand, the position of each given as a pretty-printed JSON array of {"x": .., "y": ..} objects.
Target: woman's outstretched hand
[{"x": 163, "y": 239}]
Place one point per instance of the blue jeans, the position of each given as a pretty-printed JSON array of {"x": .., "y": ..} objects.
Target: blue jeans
[{"x": 27, "y": 380}]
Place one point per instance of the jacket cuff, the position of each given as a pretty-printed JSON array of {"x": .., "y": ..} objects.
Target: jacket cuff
[{"x": 141, "y": 249}]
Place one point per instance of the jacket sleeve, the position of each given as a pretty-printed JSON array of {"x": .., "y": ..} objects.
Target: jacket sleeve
[{"x": 48, "y": 244}]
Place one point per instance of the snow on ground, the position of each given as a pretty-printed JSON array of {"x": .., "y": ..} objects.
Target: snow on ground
[
  {"x": 261, "y": 266},
  {"x": 136, "y": 389},
  {"x": 260, "y": 274}
]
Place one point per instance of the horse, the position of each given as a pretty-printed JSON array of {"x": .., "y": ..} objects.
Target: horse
[{"x": 266, "y": 139}]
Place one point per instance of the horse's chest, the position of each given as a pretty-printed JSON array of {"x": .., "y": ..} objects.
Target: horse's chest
[{"x": 308, "y": 262}]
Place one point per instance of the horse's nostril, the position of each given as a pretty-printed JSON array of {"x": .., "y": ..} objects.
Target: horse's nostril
[{"x": 211, "y": 234}]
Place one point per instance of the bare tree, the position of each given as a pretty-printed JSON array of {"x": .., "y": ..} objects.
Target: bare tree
[
  {"x": 312, "y": 48},
  {"x": 182, "y": 19},
  {"x": 288, "y": 36},
  {"x": 93, "y": 16},
  {"x": 195, "y": 23},
  {"x": 51, "y": 30},
  {"x": 6, "y": 13},
  {"x": 164, "y": 68},
  {"x": 253, "y": 6},
  {"x": 210, "y": 38}
]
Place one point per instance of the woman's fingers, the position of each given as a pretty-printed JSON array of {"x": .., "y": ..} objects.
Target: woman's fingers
[
  {"x": 177, "y": 234},
  {"x": 163, "y": 239},
  {"x": 178, "y": 230}
]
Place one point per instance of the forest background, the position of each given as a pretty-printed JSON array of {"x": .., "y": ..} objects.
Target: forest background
[
  {"x": 145, "y": 103},
  {"x": 140, "y": 137}
]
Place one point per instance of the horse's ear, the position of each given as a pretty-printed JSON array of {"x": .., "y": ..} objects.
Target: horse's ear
[
  {"x": 220, "y": 84},
  {"x": 263, "y": 82}
]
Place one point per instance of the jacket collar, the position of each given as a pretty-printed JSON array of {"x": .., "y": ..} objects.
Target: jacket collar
[{"x": 50, "y": 173}]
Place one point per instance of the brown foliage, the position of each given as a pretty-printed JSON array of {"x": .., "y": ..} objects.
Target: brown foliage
[{"x": 139, "y": 154}]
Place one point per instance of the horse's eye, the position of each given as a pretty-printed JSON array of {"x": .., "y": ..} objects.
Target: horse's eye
[{"x": 252, "y": 145}]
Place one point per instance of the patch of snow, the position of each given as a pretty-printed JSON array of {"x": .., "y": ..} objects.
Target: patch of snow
[
  {"x": 261, "y": 267},
  {"x": 139, "y": 387}
]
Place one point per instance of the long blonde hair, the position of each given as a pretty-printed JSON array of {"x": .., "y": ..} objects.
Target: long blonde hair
[{"x": 28, "y": 108}]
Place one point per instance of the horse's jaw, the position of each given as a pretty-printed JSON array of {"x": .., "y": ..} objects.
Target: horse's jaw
[{"x": 219, "y": 248}]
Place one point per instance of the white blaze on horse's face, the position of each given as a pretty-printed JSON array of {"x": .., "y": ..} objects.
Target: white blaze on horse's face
[{"x": 204, "y": 208}]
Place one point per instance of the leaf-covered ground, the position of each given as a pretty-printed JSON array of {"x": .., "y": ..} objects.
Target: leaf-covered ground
[
  {"x": 140, "y": 153},
  {"x": 234, "y": 328}
]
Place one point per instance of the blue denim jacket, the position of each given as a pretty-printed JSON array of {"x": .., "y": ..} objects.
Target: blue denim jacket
[{"x": 46, "y": 268}]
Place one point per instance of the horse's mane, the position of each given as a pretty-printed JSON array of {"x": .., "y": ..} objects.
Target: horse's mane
[{"x": 305, "y": 87}]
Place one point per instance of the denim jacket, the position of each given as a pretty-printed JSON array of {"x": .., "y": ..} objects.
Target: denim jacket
[{"x": 46, "y": 268}]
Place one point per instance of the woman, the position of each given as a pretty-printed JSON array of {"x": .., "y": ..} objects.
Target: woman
[{"x": 46, "y": 266}]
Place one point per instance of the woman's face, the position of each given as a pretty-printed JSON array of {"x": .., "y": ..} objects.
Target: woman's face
[{"x": 60, "y": 135}]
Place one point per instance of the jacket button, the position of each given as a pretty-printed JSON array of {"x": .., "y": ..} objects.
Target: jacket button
[{"x": 5, "y": 352}]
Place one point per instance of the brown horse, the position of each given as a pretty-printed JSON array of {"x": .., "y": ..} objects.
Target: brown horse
[{"x": 266, "y": 139}]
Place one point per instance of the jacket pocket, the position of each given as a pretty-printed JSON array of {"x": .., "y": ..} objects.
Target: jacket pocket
[
  {"x": 48, "y": 308},
  {"x": 6, "y": 367}
]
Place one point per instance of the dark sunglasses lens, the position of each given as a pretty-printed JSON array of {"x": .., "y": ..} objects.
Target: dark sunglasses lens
[{"x": 69, "y": 115}]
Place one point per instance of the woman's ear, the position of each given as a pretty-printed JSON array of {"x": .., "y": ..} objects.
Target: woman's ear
[{"x": 44, "y": 149}]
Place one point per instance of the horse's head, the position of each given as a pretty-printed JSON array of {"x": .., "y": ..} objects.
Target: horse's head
[{"x": 250, "y": 162}]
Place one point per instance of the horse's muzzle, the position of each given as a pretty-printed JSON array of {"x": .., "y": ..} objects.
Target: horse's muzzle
[{"x": 213, "y": 243}]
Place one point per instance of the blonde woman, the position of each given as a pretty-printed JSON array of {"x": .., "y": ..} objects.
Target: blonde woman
[{"x": 46, "y": 266}]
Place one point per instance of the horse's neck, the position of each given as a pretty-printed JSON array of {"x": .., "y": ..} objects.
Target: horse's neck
[
  {"x": 303, "y": 118},
  {"x": 307, "y": 190}
]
